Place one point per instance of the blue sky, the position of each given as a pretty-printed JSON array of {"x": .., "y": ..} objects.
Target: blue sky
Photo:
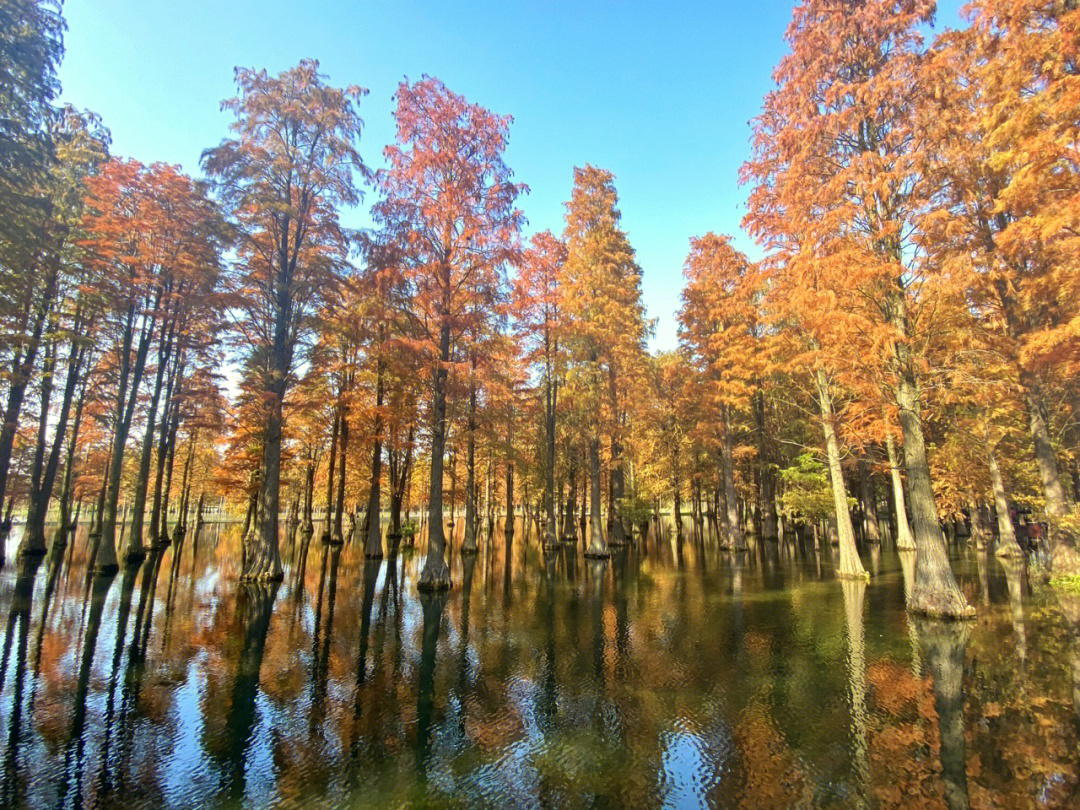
[{"x": 659, "y": 93}]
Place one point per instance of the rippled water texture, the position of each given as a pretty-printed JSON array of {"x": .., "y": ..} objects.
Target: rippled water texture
[{"x": 674, "y": 676}]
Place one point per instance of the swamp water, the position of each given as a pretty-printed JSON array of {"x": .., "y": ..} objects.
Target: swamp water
[{"x": 675, "y": 676}]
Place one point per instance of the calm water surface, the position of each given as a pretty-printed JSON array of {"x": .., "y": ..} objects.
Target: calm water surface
[{"x": 675, "y": 676}]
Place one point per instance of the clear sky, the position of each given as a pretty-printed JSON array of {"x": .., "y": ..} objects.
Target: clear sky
[{"x": 660, "y": 93}]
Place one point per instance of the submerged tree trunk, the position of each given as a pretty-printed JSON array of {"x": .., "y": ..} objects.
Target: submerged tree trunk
[
  {"x": 264, "y": 562},
  {"x": 373, "y": 537},
  {"x": 1007, "y": 545},
  {"x": 868, "y": 499},
  {"x": 569, "y": 531},
  {"x": 326, "y": 536},
  {"x": 469, "y": 545},
  {"x": 551, "y": 394},
  {"x": 130, "y": 378},
  {"x": 308, "y": 527},
  {"x": 733, "y": 536},
  {"x": 136, "y": 550},
  {"x": 597, "y": 544},
  {"x": 436, "y": 574},
  {"x": 904, "y": 539},
  {"x": 1063, "y": 545},
  {"x": 979, "y": 530},
  {"x": 338, "y": 536},
  {"x": 935, "y": 592},
  {"x": 766, "y": 474},
  {"x": 62, "y": 528},
  {"x": 850, "y": 565}
]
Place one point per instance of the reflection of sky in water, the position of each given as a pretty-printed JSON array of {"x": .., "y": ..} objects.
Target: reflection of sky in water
[{"x": 687, "y": 771}]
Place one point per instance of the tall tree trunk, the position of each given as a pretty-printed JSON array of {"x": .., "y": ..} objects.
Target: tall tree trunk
[
  {"x": 136, "y": 551},
  {"x": 569, "y": 531},
  {"x": 170, "y": 456},
  {"x": 263, "y": 563},
  {"x": 851, "y": 566},
  {"x": 1063, "y": 545},
  {"x": 308, "y": 527},
  {"x": 766, "y": 473},
  {"x": 130, "y": 376},
  {"x": 343, "y": 451},
  {"x": 159, "y": 508},
  {"x": 469, "y": 545},
  {"x": 22, "y": 370},
  {"x": 904, "y": 539},
  {"x": 868, "y": 499},
  {"x": 733, "y": 539},
  {"x": 436, "y": 574},
  {"x": 551, "y": 398},
  {"x": 598, "y": 546},
  {"x": 979, "y": 530},
  {"x": 60, "y": 538},
  {"x": 42, "y": 484},
  {"x": 935, "y": 592},
  {"x": 1007, "y": 545},
  {"x": 373, "y": 538},
  {"x": 326, "y": 534}
]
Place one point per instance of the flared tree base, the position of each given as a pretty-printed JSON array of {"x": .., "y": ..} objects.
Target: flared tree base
[
  {"x": 470, "y": 550},
  {"x": 106, "y": 570},
  {"x": 596, "y": 554},
  {"x": 938, "y": 605},
  {"x": 905, "y": 545},
  {"x": 569, "y": 538},
  {"x": 1010, "y": 550},
  {"x": 134, "y": 556},
  {"x": 263, "y": 576},
  {"x": 434, "y": 577}
]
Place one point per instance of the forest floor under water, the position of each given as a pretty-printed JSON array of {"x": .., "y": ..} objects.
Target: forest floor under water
[{"x": 671, "y": 675}]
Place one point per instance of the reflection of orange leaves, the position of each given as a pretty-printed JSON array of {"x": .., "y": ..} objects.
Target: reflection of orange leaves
[
  {"x": 492, "y": 731},
  {"x": 895, "y": 688},
  {"x": 774, "y": 777}
]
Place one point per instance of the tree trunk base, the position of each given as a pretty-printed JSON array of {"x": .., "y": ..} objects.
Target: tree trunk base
[
  {"x": 1011, "y": 550},
  {"x": 134, "y": 556},
  {"x": 470, "y": 550},
  {"x": 905, "y": 545},
  {"x": 863, "y": 576},
  {"x": 597, "y": 555},
  {"x": 569, "y": 538},
  {"x": 939, "y": 606},
  {"x": 373, "y": 555},
  {"x": 263, "y": 576},
  {"x": 432, "y": 582}
]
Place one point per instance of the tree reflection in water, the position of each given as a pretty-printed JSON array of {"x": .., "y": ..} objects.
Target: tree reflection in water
[{"x": 669, "y": 673}]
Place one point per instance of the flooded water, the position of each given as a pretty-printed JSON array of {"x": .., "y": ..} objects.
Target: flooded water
[{"x": 675, "y": 676}]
